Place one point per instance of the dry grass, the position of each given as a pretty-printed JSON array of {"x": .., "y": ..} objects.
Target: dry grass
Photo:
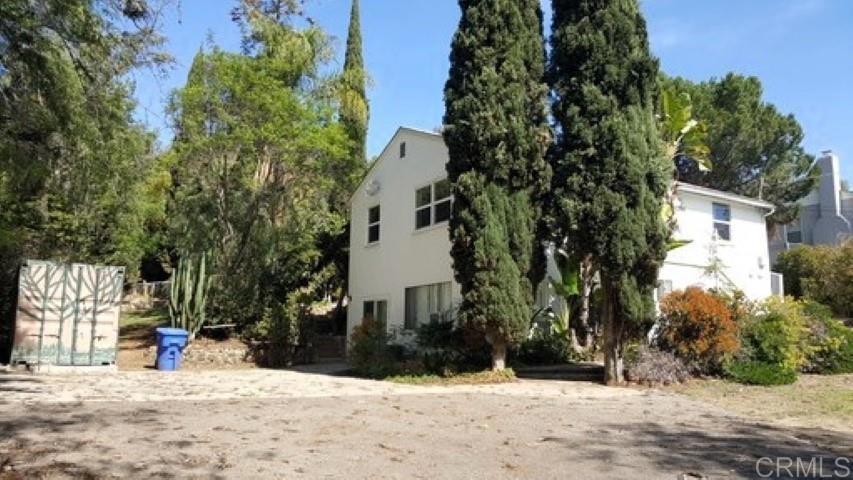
[
  {"x": 823, "y": 401},
  {"x": 470, "y": 378}
]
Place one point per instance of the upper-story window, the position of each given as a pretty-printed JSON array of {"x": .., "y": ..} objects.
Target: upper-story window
[
  {"x": 722, "y": 221},
  {"x": 373, "y": 224},
  {"x": 402, "y": 149},
  {"x": 432, "y": 204}
]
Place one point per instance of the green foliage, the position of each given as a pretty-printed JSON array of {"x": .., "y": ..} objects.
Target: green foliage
[
  {"x": 830, "y": 342},
  {"x": 610, "y": 171},
  {"x": 773, "y": 342},
  {"x": 369, "y": 352},
  {"x": 755, "y": 150},
  {"x": 355, "y": 111},
  {"x": 75, "y": 169},
  {"x": 684, "y": 136},
  {"x": 761, "y": 373},
  {"x": 698, "y": 328},
  {"x": 74, "y": 166},
  {"x": 496, "y": 132},
  {"x": 188, "y": 293},
  {"x": 546, "y": 348},
  {"x": 262, "y": 167},
  {"x": 445, "y": 348},
  {"x": 820, "y": 273}
]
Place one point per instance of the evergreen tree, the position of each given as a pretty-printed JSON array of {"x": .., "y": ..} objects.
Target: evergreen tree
[
  {"x": 496, "y": 132},
  {"x": 754, "y": 149},
  {"x": 610, "y": 171},
  {"x": 355, "y": 111}
]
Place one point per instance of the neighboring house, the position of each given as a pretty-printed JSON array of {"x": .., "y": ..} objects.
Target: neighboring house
[
  {"x": 400, "y": 266},
  {"x": 826, "y": 214}
]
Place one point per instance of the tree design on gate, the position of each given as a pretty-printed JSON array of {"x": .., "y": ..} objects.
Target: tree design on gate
[{"x": 67, "y": 314}]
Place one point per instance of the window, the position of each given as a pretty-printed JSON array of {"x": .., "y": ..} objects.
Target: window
[
  {"x": 722, "y": 221},
  {"x": 402, "y": 149},
  {"x": 376, "y": 309},
  {"x": 427, "y": 303},
  {"x": 373, "y": 224},
  {"x": 432, "y": 204},
  {"x": 794, "y": 234}
]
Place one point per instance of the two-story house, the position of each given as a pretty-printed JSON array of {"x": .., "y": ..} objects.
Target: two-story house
[{"x": 400, "y": 267}]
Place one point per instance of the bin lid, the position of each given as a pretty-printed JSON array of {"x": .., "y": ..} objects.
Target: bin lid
[{"x": 177, "y": 332}]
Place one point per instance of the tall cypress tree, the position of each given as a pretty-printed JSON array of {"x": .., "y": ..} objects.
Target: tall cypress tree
[
  {"x": 610, "y": 173},
  {"x": 355, "y": 111},
  {"x": 496, "y": 133}
]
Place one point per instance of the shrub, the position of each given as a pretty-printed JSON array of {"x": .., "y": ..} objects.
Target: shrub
[
  {"x": 761, "y": 373},
  {"x": 830, "y": 342},
  {"x": 370, "y": 354},
  {"x": 446, "y": 348},
  {"x": 545, "y": 348},
  {"x": 773, "y": 344},
  {"x": 775, "y": 334},
  {"x": 651, "y": 366},
  {"x": 820, "y": 273},
  {"x": 698, "y": 328}
]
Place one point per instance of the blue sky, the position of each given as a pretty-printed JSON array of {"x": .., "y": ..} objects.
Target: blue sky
[{"x": 802, "y": 50}]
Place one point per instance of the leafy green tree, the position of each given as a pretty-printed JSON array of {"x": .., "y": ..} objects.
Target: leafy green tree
[
  {"x": 755, "y": 150},
  {"x": 260, "y": 166},
  {"x": 610, "y": 170},
  {"x": 496, "y": 133},
  {"x": 77, "y": 175},
  {"x": 355, "y": 111}
]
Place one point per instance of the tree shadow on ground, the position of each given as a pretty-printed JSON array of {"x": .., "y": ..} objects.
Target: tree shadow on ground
[
  {"x": 724, "y": 449},
  {"x": 36, "y": 442},
  {"x": 10, "y": 382}
]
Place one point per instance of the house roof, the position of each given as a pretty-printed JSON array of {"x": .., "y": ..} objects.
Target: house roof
[
  {"x": 381, "y": 155},
  {"x": 721, "y": 195},
  {"x": 682, "y": 186}
]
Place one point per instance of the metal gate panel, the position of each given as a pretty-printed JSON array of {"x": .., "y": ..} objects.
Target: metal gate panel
[{"x": 67, "y": 314}]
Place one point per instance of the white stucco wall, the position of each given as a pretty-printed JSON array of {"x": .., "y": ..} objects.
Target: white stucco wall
[
  {"x": 745, "y": 257},
  {"x": 405, "y": 257}
]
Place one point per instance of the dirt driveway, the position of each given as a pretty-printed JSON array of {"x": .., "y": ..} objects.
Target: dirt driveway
[{"x": 286, "y": 424}]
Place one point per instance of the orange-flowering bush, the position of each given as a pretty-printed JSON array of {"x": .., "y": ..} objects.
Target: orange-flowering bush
[{"x": 698, "y": 328}]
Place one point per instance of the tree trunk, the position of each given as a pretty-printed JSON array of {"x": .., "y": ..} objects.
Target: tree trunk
[
  {"x": 586, "y": 291},
  {"x": 613, "y": 362},
  {"x": 498, "y": 354}
]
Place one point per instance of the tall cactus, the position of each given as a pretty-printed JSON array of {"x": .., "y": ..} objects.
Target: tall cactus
[{"x": 188, "y": 293}]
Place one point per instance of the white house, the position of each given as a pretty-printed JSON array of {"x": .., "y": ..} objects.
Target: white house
[{"x": 400, "y": 267}]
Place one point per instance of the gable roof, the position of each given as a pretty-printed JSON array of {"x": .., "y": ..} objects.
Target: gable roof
[
  {"x": 379, "y": 158},
  {"x": 721, "y": 195},
  {"x": 682, "y": 186}
]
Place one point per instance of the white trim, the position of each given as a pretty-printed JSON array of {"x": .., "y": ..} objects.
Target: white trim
[
  {"x": 431, "y": 205},
  {"x": 730, "y": 197}
]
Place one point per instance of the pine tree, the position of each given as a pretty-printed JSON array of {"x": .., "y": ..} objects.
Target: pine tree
[
  {"x": 610, "y": 172},
  {"x": 496, "y": 132},
  {"x": 355, "y": 111}
]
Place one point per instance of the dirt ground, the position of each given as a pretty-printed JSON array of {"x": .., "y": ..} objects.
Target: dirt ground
[
  {"x": 825, "y": 400},
  {"x": 287, "y": 424},
  {"x": 137, "y": 335}
]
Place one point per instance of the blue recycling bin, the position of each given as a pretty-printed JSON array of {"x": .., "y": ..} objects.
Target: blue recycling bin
[{"x": 170, "y": 346}]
